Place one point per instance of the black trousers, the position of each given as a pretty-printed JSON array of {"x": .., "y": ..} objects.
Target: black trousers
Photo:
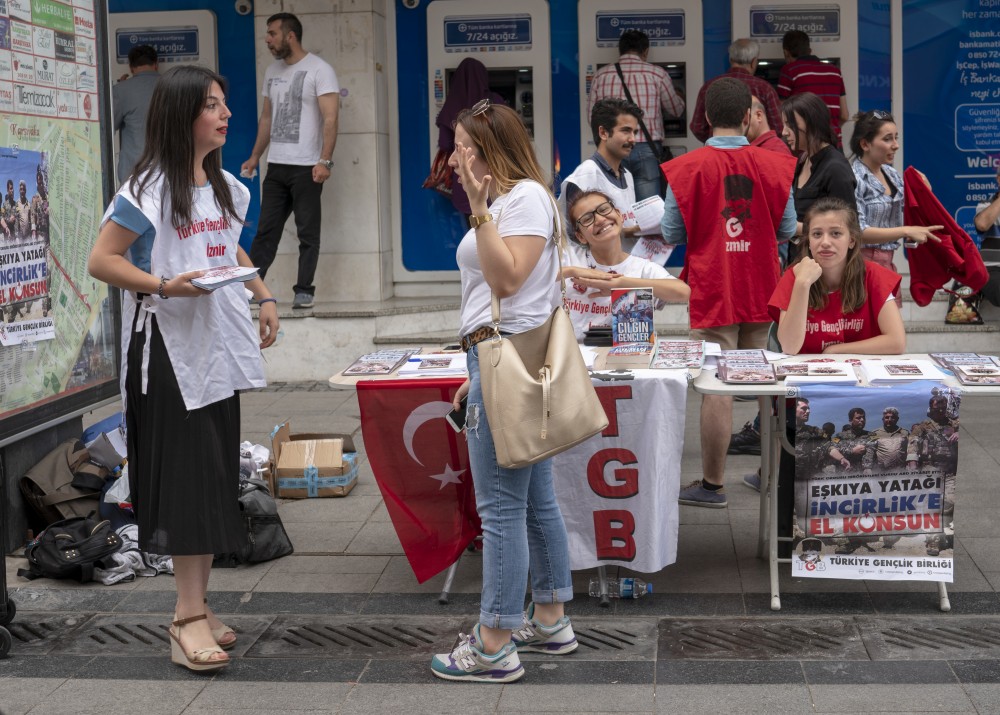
[{"x": 289, "y": 189}]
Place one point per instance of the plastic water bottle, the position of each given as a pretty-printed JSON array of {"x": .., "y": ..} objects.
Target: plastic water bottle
[{"x": 627, "y": 587}]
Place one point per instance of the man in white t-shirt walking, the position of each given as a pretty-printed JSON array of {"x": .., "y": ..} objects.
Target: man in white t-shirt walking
[
  {"x": 299, "y": 122},
  {"x": 615, "y": 124}
]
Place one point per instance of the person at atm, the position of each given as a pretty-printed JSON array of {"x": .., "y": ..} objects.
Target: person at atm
[
  {"x": 650, "y": 87},
  {"x": 730, "y": 203},
  {"x": 743, "y": 56},
  {"x": 469, "y": 83},
  {"x": 805, "y": 72},
  {"x": 615, "y": 124}
]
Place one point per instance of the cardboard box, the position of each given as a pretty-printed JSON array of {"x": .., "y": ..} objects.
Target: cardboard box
[{"x": 307, "y": 465}]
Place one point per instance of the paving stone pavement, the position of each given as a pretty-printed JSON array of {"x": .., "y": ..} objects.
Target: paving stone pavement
[{"x": 342, "y": 626}]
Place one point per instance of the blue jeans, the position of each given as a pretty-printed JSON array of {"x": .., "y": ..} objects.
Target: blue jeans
[
  {"x": 523, "y": 528},
  {"x": 644, "y": 164}
]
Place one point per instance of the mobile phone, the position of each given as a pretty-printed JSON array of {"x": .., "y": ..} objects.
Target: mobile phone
[{"x": 456, "y": 418}]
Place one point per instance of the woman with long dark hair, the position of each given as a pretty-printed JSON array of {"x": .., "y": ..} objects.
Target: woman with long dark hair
[
  {"x": 187, "y": 352},
  {"x": 832, "y": 300},
  {"x": 822, "y": 170},
  {"x": 509, "y": 251}
]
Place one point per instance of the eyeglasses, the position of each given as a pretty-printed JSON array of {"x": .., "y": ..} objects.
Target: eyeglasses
[
  {"x": 880, "y": 115},
  {"x": 588, "y": 218},
  {"x": 480, "y": 107}
]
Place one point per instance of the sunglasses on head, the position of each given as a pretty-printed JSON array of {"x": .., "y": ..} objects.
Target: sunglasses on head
[{"x": 880, "y": 115}]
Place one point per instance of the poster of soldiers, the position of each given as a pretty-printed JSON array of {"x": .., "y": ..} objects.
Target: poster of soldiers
[
  {"x": 875, "y": 481},
  {"x": 25, "y": 304}
]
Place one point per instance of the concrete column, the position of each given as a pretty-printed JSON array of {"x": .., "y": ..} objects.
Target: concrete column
[{"x": 356, "y": 255}]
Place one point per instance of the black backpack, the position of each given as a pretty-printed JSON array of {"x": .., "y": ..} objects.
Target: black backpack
[{"x": 70, "y": 549}]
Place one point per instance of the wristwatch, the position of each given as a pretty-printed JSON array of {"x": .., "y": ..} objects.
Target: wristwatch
[
  {"x": 328, "y": 163},
  {"x": 477, "y": 221}
]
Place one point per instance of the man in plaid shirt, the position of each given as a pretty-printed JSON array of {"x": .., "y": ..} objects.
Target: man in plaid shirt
[{"x": 652, "y": 89}]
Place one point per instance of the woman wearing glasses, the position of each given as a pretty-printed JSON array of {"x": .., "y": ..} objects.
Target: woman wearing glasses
[
  {"x": 597, "y": 263},
  {"x": 509, "y": 251},
  {"x": 880, "y": 194}
]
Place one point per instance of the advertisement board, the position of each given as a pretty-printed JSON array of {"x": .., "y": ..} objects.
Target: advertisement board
[{"x": 58, "y": 326}]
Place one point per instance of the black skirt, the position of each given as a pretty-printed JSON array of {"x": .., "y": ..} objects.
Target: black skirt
[{"x": 183, "y": 465}]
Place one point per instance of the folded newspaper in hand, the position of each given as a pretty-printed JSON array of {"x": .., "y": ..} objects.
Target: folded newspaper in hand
[{"x": 224, "y": 275}]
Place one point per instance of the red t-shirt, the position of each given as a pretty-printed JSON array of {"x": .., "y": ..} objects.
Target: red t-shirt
[
  {"x": 731, "y": 201},
  {"x": 830, "y": 326}
]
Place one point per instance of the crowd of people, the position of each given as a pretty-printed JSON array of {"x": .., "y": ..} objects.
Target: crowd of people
[{"x": 734, "y": 203}]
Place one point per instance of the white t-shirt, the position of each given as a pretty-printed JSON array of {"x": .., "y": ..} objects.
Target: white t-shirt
[
  {"x": 589, "y": 176},
  {"x": 526, "y": 210},
  {"x": 213, "y": 345},
  {"x": 296, "y": 122},
  {"x": 586, "y": 308}
]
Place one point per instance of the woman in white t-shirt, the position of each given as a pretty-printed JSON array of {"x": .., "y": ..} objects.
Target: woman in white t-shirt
[
  {"x": 187, "y": 352},
  {"x": 509, "y": 251},
  {"x": 597, "y": 263}
]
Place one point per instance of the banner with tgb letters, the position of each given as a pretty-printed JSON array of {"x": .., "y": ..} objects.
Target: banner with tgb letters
[
  {"x": 875, "y": 472},
  {"x": 618, "y": 490}
]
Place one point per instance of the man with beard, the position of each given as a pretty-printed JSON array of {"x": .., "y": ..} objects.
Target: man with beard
[
  {"x": 852, "y": 442},
  {"x": 615, "y": 124},
  {"x": 22, "y": 214},
  {"x": 933, "y": 444},
  {"x": 299, "y": 122},
  {"x": 886, "y": 445}
]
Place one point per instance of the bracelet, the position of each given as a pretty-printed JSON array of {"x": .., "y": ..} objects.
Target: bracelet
[
  {"x": 267, "y": 300},
  {"x": 159, "y": 289}
]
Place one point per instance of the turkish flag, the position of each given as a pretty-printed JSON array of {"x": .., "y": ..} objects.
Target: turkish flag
[{"x": 422, "y": 468}]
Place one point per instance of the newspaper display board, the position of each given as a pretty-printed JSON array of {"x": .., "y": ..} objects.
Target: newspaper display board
[
  {"x": 875, "y": 472},
  {"x": 58, "y": 326}
]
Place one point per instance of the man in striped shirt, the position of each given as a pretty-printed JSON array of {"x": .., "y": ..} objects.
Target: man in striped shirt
[
  {"x": 652, "y": 89},
  {"x": 804, "y": 72}
]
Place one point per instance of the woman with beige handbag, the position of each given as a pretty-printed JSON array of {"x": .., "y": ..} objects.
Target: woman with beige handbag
[{"x": 508, "y": 252}]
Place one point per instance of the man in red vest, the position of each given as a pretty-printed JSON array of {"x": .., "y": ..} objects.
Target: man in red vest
[{"x": 730, "y": 203}]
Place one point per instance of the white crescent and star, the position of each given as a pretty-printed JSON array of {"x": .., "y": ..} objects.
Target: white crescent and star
[{"x": 424, "y": 413}]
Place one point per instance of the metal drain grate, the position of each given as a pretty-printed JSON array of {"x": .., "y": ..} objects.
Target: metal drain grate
[
  {"x": 606, "y": 638},
  {"x": 763, "y": 640},
  {"x": 931, "y": 639},
  {"x": 37, "y": 632},
  {"x": 351, "y": 637}
]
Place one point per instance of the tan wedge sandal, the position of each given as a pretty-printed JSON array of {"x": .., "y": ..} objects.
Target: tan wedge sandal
[
  {"x": 224, "y": 635},
  {"x": 199, "y": 660}
]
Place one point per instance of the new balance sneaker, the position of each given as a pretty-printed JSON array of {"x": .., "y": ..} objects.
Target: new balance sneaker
[
  {"x": 468, "y": 662},
  {"x": 533, "y": 636},
  {"x": 752, "y": 480},
  {"x": 302, "y": 300},
  {"x": 694, "y": 494},
  {"x": 746, "y": 441}
]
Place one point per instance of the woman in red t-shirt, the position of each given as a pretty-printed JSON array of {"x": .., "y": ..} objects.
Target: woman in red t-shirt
[{"x": 832, "y": 300}]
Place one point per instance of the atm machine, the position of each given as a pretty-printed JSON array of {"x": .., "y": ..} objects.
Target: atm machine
[
  {"x": 513, "y": 43},
  {"x": 833, "y": 35},
  {"x": 675, "y": 43}
]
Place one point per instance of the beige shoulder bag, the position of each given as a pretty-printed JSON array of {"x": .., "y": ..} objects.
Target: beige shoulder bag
[{"x": 538, "y": 395}]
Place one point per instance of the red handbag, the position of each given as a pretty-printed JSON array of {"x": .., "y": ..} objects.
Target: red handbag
[{"x": 441, "y": 174}]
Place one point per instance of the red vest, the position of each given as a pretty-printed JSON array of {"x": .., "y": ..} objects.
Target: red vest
[
  {"x": 731, "y": 201},
  {"x": 831, "y": 326}
]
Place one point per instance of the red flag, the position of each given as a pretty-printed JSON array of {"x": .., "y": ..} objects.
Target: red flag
[{"x": 422, "y": 468}]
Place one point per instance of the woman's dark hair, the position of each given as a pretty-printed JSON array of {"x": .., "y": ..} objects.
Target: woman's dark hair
[
  {"x": 816, "y": 117},
  {"x": 178, "y": 100},
  {"x": 852, "y": 284},
  {"x": 867, "y": 125},
  {"x": 572, "y": 199}
]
